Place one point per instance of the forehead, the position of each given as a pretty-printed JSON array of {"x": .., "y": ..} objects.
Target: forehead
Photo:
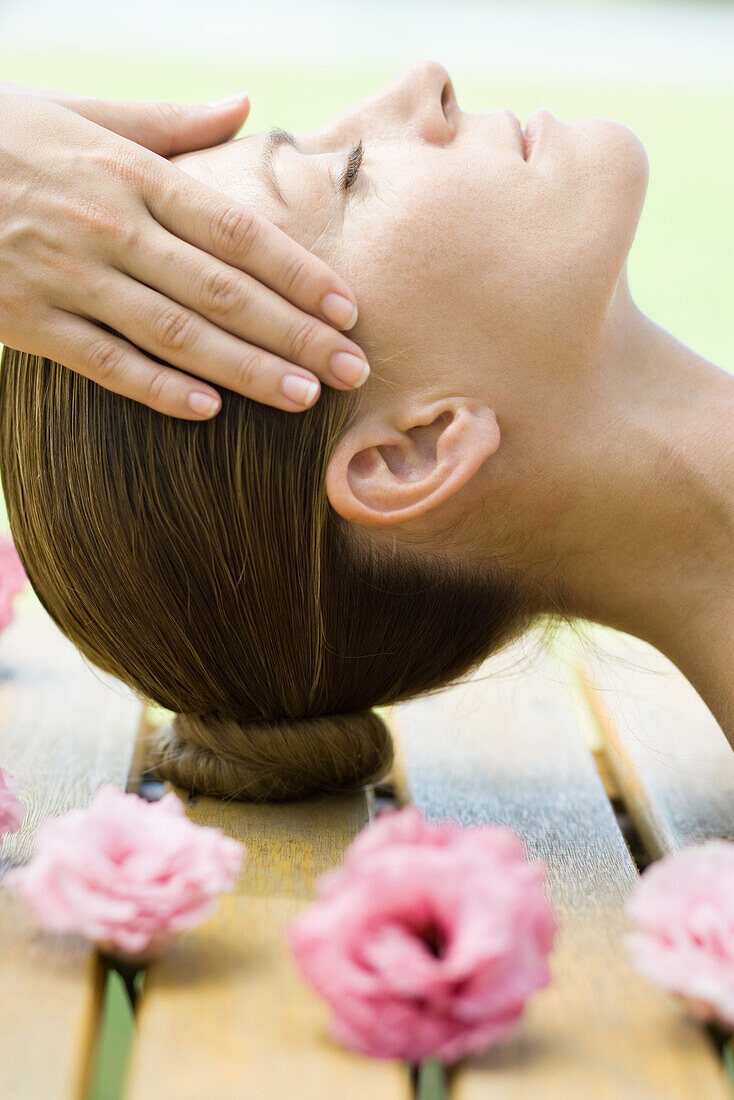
[{"x": 235, "y": 169}]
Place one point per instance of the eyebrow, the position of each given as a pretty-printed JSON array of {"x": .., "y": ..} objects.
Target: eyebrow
[{"x": 273, "y": 141}]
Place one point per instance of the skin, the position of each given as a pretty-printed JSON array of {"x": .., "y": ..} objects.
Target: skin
[
  {"x": 97, "y": 227},
  {"x": 520, "y": 404}
]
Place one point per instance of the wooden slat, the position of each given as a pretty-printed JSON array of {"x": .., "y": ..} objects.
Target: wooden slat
[
  {"x": 671, "y": 761},
  {"x": 65, "y": 729},
  {"x": 225, "y": 1013},
  {"x": 507, "y": 749}
]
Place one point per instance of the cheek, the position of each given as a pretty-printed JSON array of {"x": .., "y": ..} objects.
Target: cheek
[
  {"x": 439, "y": 262},
  {"x": 562, "y": 240},
  {"x": 522, "y": 259},
  {"x": 418, "y": 243}
]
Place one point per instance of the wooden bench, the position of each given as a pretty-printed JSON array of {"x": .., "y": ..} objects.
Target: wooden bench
[{"x": 548, "y": 740}]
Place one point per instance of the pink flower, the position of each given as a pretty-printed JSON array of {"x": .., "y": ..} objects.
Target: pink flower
[
  {"x": 684, "y": 941},
  {"x": 12, "y": 580},
  {"x": 429, "y": 939},
  {"x": 126, "y": 873},
  {"x": 12, "y": 810}
]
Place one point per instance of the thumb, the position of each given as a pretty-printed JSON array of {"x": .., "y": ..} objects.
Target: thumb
[{"x": 167, "y": 128}]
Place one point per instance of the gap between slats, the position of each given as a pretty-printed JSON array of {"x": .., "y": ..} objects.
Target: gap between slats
[
  {"x": 497, "y": 753},
  {"x": 65, "y": 729},
  {"x": 397, "y": 785}
]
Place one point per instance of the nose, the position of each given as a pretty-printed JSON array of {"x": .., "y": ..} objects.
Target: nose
[
  {"x": 429, "y": 101},
  {"x": 421, "y": 99}
]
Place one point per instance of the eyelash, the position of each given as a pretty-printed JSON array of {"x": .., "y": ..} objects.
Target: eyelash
[{"x": 354, "y": 162}]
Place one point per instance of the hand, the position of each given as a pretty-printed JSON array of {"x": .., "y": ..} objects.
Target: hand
[{"x": 97, "y": 230}]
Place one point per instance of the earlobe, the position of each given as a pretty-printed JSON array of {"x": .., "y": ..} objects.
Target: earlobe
[{"x": 388, "y": 470}]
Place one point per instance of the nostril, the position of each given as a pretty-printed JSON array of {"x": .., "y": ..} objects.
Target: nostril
[
  {"x": 433, "y": 104},
  {"x": 449, "y": 106},
  {"x": 446, "y": 95}
]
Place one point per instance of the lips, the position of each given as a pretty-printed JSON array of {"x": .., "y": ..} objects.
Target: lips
[
  {"x": 534, "y": 129},
  {"x": 520, "y": 135},
  {"x": 529, "y": 137}
]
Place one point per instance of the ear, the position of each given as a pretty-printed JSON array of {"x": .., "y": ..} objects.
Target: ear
[{"x": 388, "y": 469}]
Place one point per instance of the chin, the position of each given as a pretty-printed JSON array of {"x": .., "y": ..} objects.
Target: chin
[{"x": 617, "y": 144}]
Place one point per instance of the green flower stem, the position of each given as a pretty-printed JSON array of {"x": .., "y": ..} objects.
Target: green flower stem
[
  {"x": 432, "y": 1080},
  {"x": 729, "y": 1058}
]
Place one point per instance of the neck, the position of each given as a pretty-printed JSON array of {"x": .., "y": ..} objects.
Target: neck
[{"x": 634, "y": 499}]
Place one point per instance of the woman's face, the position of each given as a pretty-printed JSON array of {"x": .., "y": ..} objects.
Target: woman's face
[{"x": 461, "y": 251}]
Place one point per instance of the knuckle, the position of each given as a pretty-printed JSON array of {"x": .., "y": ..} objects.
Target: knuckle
[
  {"x": 123, "y": 162},
  {"x": 302, "y": 338},
  {"x": 173, "y": 328},
  {"x": 104, "y": 360},
  {"x": 235, "y": 230},
  {"x": 295, "y": 275},
  {"x": 220, "y": 292},
  {"x": 128, "y": 235},
  {"x": 95, "y": 218},
  {"x": 246, "y": 375},
  {"x": 157, "y": 388},
  {"x": 168, "y": 114}
]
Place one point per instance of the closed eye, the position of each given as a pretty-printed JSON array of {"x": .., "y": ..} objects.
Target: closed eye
[{"x": 351, "y": 168}]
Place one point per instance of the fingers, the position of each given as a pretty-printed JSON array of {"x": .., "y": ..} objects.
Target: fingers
[
  {"x": 231, "y": 232},
  {"x": 184, "y": 339},
  {"x": 167, "y": 128},
  {"x": 237, "y": 303},
  {"x": 90, "y": 210},
  {"x": 118, "y": 366}
]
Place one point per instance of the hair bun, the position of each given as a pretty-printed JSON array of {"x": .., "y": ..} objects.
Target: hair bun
[{"x": 271, "y": 761}]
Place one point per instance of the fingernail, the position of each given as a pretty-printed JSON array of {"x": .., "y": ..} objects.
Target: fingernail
[
  {"x": 349, "y": 368},
  {"x": 339, "y": 310},
  {"x": 299, "y": 389},
  {"x": 203, "y": 405},
  {"x": 228, "y": 100}
]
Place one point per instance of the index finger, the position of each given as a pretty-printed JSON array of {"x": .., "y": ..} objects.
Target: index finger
[{"x": 231, "y": 231}]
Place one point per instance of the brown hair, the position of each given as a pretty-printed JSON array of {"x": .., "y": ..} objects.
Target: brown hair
[{"x": 201, "y": 563}]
